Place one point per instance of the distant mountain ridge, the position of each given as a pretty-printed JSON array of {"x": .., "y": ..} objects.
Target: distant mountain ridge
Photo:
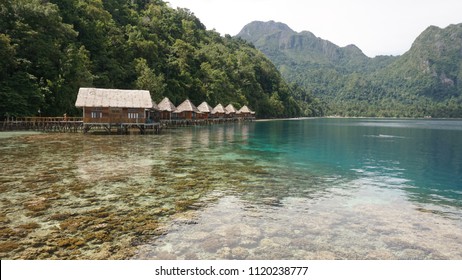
[
  {"x": 426, "y": 80},
  {"x": 278, "y": 38}
]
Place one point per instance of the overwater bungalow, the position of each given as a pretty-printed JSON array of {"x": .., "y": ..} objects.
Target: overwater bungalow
[
  {"x": 114, "y": 106},
  {"x": 206, "y": 110},
  {"x": 187, "y": 111},
  {"x": 219, "y": 112},
  {"x": 245, "y": 112},
  {"x": 166, "y": 109},
  {"x": 230, "y": 111}
]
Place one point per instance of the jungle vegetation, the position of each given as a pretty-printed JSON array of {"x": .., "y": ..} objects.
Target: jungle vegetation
[{"x": 51, "y": 48}]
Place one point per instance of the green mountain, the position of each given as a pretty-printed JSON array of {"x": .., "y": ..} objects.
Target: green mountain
[
  {"x": 433, "y": 66},
  {"x": 425, "y": 81},
  {"x": 288, "y": 47},
  {"x": 50, "y": 48}
]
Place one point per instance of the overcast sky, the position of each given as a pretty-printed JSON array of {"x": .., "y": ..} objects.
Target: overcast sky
[{"x": 378, "y": 27}]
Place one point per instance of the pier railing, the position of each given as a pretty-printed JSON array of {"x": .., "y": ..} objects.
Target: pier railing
[
  {"x": 50, "y": 119},
  {"x": 113, "y": 120},
  {"x": 58, "y": 124}
]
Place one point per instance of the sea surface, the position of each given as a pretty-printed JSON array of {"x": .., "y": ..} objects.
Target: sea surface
[{"x": 291, "y": 189}]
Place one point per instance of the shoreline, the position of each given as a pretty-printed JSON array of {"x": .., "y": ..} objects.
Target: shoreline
[
  {"x": 340, "y": 117},
  {"x": 287, "y": 119}
]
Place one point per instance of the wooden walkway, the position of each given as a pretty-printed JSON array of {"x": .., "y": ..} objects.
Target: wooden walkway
[
  {"x": 123, "y": 128},
  {"x": 201, "y": 122},
  {"x": 74, "y": 125},
  {"x": 46, "y": 124}
]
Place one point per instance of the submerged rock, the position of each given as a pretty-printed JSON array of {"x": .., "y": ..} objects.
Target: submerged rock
[{"x": 239, "y": 253}]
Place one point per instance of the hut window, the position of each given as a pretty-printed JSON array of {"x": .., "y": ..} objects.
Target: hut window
[
  {"x": 133, "y": 115},
  {"x": 96, "y": 115}
]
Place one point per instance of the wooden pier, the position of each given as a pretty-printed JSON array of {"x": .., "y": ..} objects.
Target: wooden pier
[
  {"x": 75, "y": 125},
  {"x": 45, "y": 124},
  {"x": 123, "y": 128},
  {"x": 174, "y": 123}
]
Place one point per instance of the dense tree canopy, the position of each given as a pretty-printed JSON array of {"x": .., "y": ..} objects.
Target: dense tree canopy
[{"x": 48, "y": 49}]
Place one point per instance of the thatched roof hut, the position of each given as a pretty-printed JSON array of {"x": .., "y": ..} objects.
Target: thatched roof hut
[
  {"x": 166, "y": 106},
  {"x": 230, "y": 110},
  {"x": 187, "y": 106},
  {"x": 245, "y": 112},
  {"x": 205, "y": 109},
  {"x": 166, "y": 109},
  {"x": 219, "y": 111},
  {"x": 113, "y": 105},
  {"x": 187, "y": 110},
  {"x": 114, "y": 98}
]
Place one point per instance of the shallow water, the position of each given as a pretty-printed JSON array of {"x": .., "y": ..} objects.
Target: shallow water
[{"x": 307, "y": 189}]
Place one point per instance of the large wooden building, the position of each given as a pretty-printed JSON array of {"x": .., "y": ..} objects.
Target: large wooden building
[{"x": 114, "y": 106}]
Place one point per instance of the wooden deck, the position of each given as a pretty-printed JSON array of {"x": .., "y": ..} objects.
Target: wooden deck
[
  {"x": 46, "y": 124},
  {"x": 201, "y": 122},
  {"x": 123, "y": 128},
  {"x": 74, "y": 125}
]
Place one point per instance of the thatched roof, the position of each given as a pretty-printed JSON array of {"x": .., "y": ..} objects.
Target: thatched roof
[
  {"x": 166, "y": 105},
  {"x": 244, "y": 110},
  {"x": 205, "y": 108},
  {"x": 187, "y": 106},
  {"x": 219, "y": 109},
  {"x": 115, "y": 98},
  {"x": 230, "y": 109}
]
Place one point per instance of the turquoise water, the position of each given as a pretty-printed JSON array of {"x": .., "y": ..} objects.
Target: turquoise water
[
  {"x": 294, "y": 189},
  {"x": 424, "y": 158}
]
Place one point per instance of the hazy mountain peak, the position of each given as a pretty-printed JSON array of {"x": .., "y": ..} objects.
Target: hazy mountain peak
[
  {"x": 271, "y": 37},
  {"x": 353, "y": 47},
  {"x": 268, "y": 26},
  {"x": 255, "y": 30}
]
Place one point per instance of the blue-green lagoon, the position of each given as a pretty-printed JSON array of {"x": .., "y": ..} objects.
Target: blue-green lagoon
[{"x": 292, "y": 189}]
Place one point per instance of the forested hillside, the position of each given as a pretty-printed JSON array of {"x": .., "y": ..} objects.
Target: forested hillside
[
  {"x": 48, "y": 49},
  {"x": 426, "y": 81}
]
